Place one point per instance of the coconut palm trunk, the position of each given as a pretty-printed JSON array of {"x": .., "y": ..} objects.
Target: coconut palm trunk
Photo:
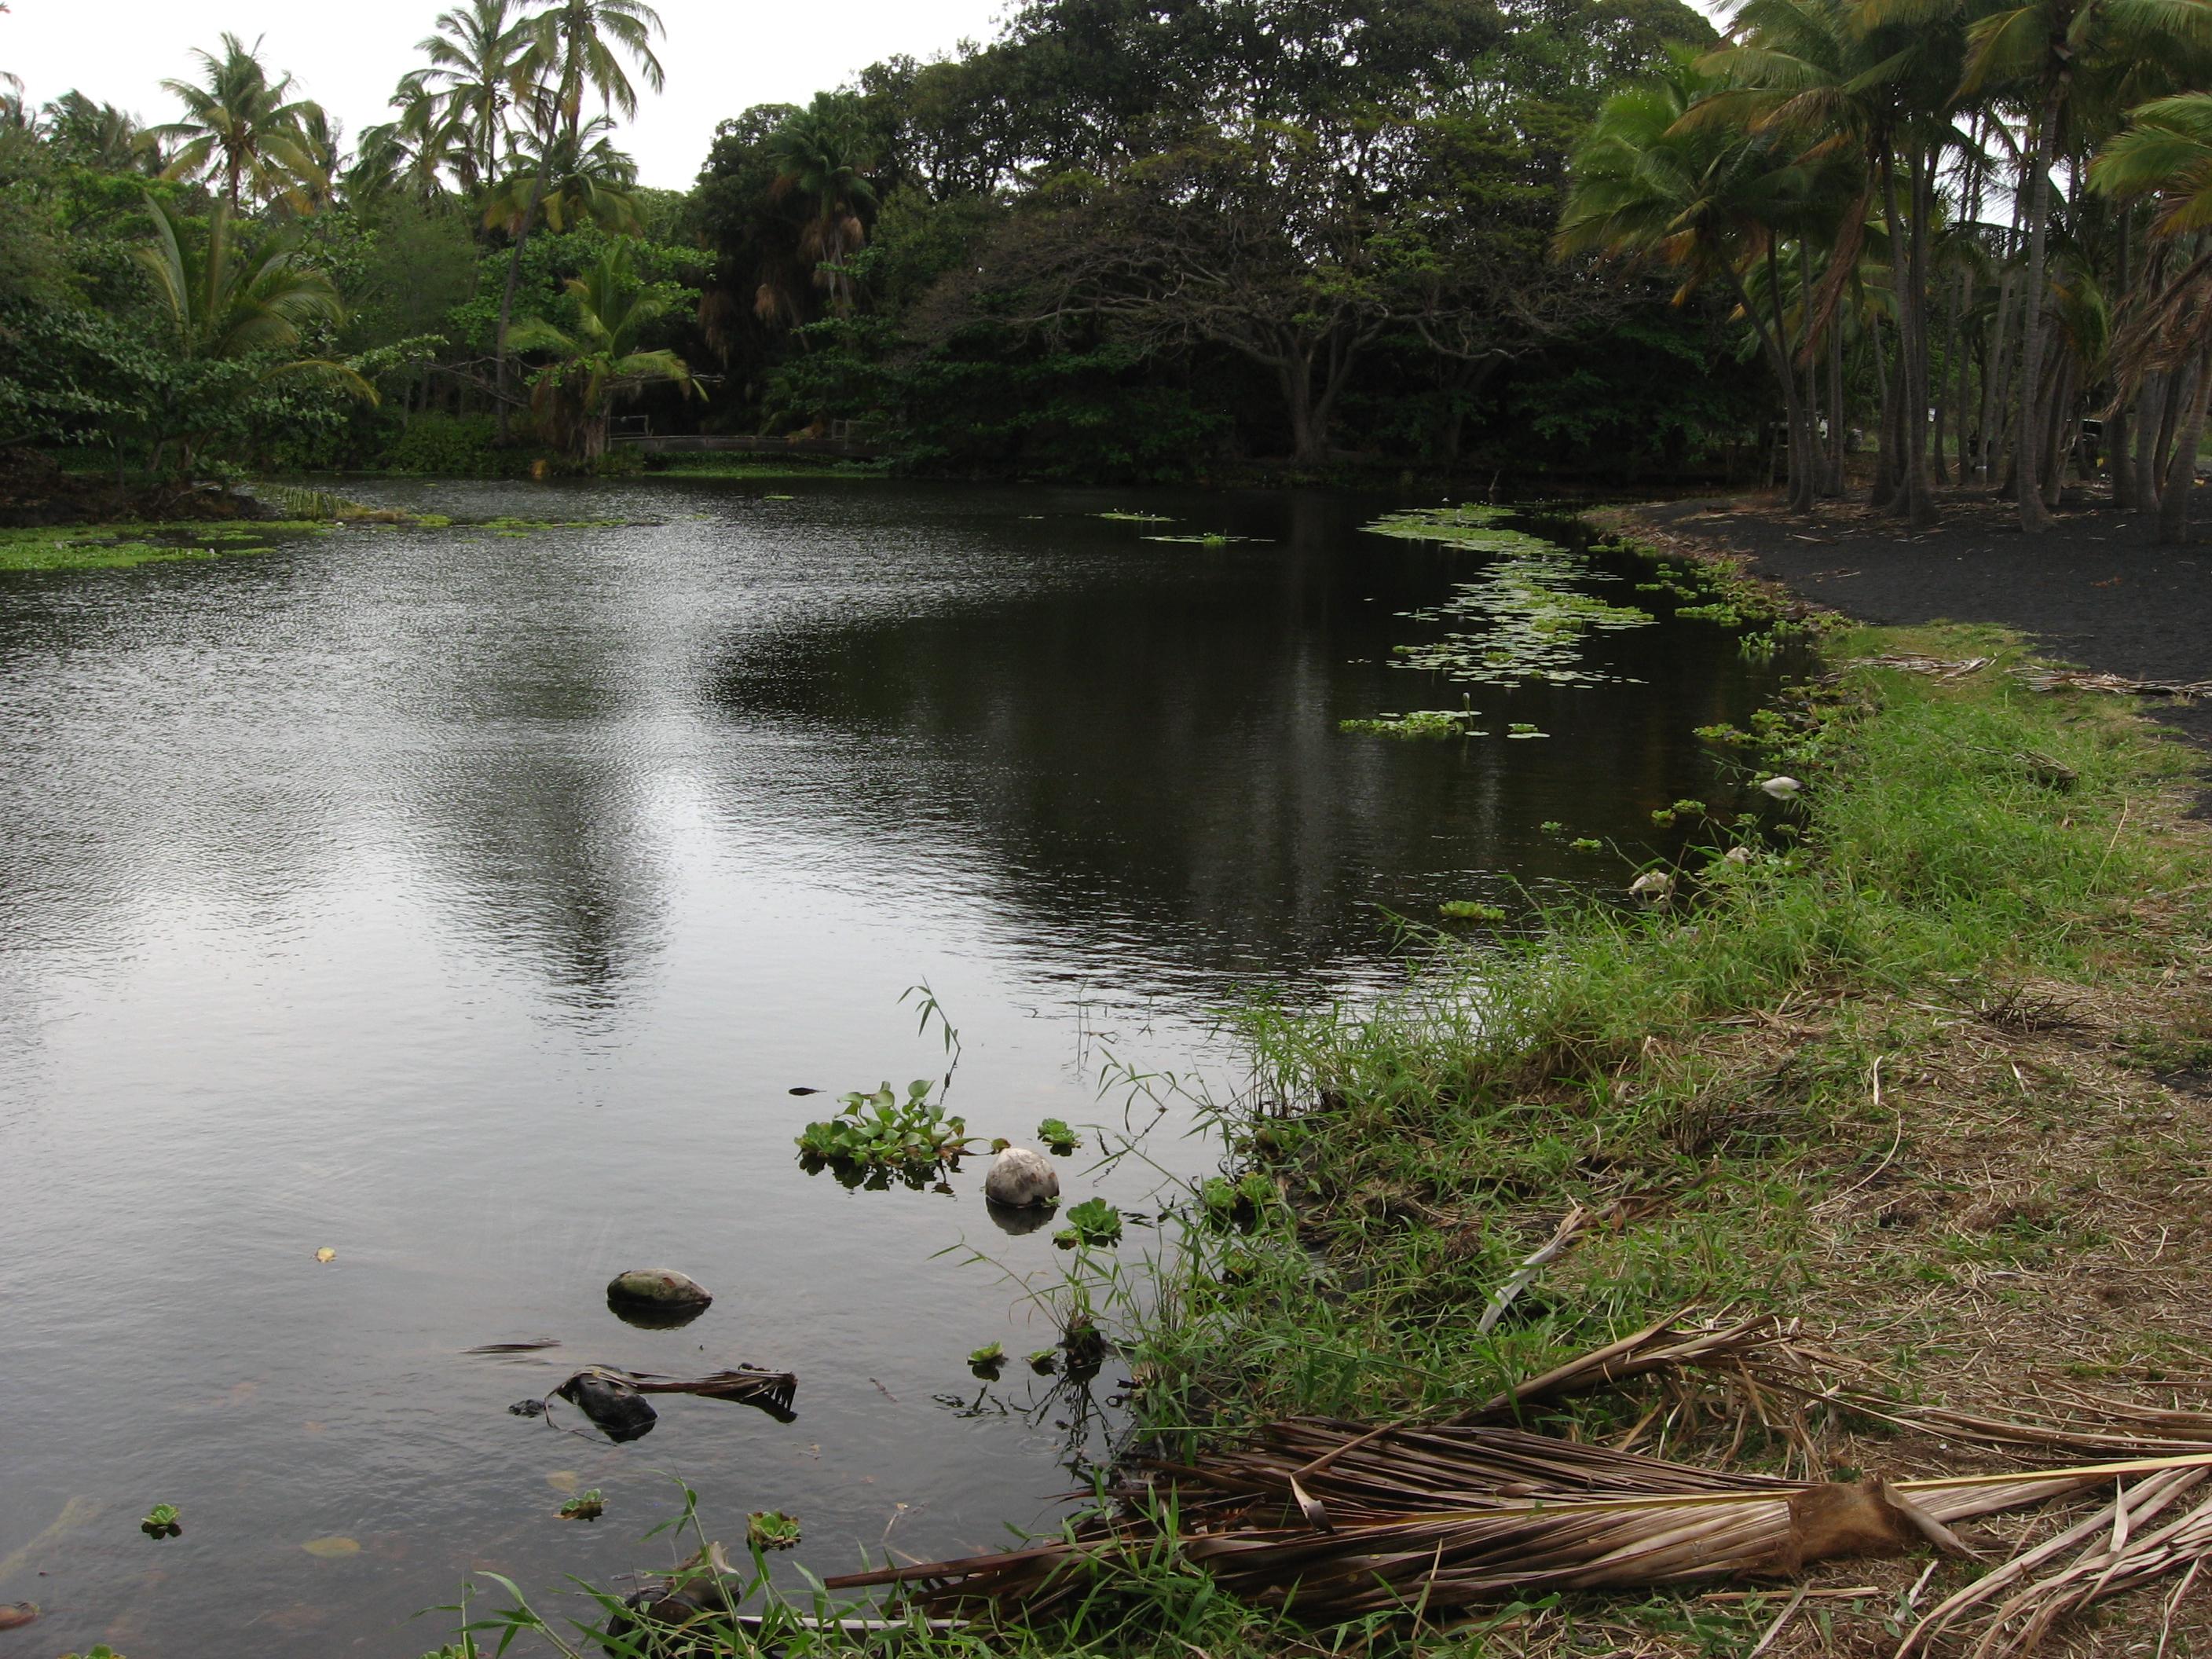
[
  {"x": 503, "y": 358},
  {"x": 2034, "y": 517},
  {"x": 2181, "y": 471}
]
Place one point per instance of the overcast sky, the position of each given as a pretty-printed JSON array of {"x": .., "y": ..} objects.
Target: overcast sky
[{"x": 721, "y": 57}]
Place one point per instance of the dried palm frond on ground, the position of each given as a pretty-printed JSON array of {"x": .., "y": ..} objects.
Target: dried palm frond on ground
[{"x": 1333, "y": 1521}]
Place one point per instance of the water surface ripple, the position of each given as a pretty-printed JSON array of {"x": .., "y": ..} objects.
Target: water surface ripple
[{"x": 469, "y": 904}]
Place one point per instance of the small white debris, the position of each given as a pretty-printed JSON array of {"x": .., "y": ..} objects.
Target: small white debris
[{"x": 1782, "y": 788}]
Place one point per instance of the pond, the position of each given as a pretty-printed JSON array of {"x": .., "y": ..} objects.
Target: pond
[{"x": 469, "y": 904}]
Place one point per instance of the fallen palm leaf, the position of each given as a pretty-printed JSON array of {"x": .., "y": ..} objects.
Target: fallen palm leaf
[
  {"x": 1937, "y": 666},
  {"x": 2046, "y": 680}
]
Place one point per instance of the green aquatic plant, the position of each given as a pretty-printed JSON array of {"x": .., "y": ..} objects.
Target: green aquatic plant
[
  {"x": 1094, "y": 1221},
  {"x": 161, "y": 1522},
  {"x": 584, "y": 1506},
  {"x": 1044, "y": 1361},
  {"x": 1536, "y": 614},
  {"x": 881, "y": 1132},
  {"x": 987, "y": 1362},
  {"x": 1471, "y": 910},
  {"x": 1134, "y": 517},
  {"x": 1522, "y": 729},
  {"x": 1587, "y": 844},
  {"x": 1210, "y": 538},
  {"x": 1240, "y": 1203},
  {"x": 1437, "y": 524},
  {"x": 1421, "y": 723},
  {"x": 1057, "y": 1138},
  {"x": 771, "y": 1529},
  {"x": 1719, "y": 610}
]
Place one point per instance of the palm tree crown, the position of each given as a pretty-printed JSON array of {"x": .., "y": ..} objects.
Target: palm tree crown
[{"x": 241, "y": 128}]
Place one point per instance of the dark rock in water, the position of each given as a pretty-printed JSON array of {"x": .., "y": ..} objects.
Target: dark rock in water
[
  {"x": 617, "y": 1410},
  {"x": 528, "y": 1408},
  {"x": 659, "y": 1298}
]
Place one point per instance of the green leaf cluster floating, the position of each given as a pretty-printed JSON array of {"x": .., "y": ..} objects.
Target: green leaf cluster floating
[
  {"x": 1421, "y": 723},
  {"x": 1209, "y": 539},
  {"x": 1439, "y": 523},
  {"x": 1134, "y": 517},
  {"x": 1531, "y": 596},
  {"x": 1094, "y": 1221},
  {"x": 1539, "y": 620},
  {"x": 880, "y": 1135}
]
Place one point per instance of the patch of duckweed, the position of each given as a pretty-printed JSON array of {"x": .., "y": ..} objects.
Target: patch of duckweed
[
  {"x": 1134, "y": 517},
  {"x": 1207, "y": 540}
]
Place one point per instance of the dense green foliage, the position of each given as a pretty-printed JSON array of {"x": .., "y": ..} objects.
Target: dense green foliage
[
  {"x": 1118, "y": 241},
  {"x": 1163, "y": 241},
  {"x": 1837, "y": 171}
]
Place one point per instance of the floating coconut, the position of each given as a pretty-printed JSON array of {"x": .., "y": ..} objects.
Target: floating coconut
[{"x": 1021, "y": 1180}]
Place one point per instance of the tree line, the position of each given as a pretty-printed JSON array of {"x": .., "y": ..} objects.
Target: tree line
[
  {"x": 1991, "y": 214},
  {"x": 1165, "y": 239}
]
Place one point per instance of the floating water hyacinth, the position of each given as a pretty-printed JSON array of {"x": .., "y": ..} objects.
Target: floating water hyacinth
[
  {"x": 1531, "y": 596},
  {"x": 1538, "y": 618},
  {"x": 1438, "y": 523}
]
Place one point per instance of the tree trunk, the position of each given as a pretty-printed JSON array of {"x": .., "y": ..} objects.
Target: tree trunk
[
  {"x": 1996, "y": 370},
  {"x": 2118, "y": 465},
  {"x": 2181, "y": 472},
  {"x": 2033, "y": 519},
  {"x": 1793, "y": 403},
  {"x": 1836, "y": 481},
  {"x": 1777, "y": 349},
  {"x": 507, "y": 302},
  {"x": 1883, "y": 490},
  {"x": 2150, "y": 419}
]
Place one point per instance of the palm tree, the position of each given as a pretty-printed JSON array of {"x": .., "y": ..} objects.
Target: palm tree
[
  {"x": 1832, "y": 75},
  {"x": 240, "y": 128},
  {"x": 577, "y": 46},
  {"x": 1707, "y": 199},
  {"x": 100, "y": 135},
  {"x": 2036, "y": 51},
  {"x": 222, "y": 303},
  {"x": 478, "y": 59},
  {"x": 2166, "y": 153},
  {"x": 817, "y": 159},
  {"x": 563, "y": 179},
  {"x": 600, "y": 362}
]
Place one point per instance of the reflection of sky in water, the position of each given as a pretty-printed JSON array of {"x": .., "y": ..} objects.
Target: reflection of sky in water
[{"x": 471, "y": 904}]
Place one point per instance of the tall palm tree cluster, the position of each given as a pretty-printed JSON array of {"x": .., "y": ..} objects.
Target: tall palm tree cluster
[{"x": 1982, "y": 227}]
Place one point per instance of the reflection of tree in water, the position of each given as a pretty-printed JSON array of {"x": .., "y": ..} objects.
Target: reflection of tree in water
[
  {"x": 1156, "y": 754},
  {"x": 554, "y": 854}
]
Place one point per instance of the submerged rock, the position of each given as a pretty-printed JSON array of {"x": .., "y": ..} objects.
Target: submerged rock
[
  {"x": 13, "y": 1615},
  {"x": 1021, "y": 1180},
  {"x": 658, "y": 1296}
]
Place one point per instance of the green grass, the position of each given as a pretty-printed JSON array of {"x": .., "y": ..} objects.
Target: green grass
[
  {"x": 1430, "y": 1142},
  {"x": 115, "y": 547}
]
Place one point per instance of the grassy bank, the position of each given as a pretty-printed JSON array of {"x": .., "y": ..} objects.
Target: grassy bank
[
  {"x": 1926, "y": 1065},
  {"x": 1991, "y": 896}
]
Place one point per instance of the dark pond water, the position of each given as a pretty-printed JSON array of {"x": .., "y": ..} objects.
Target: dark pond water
[{"x": 468, "y": 904}]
